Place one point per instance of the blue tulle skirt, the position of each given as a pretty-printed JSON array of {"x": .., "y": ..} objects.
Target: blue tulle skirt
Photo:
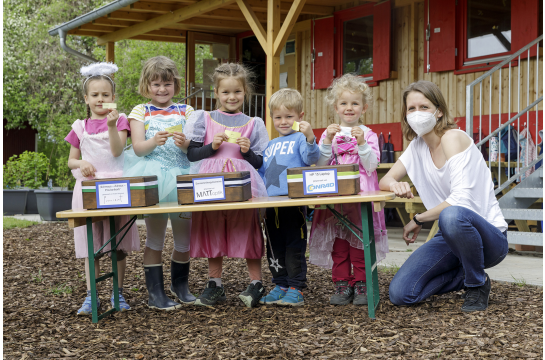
[{"x": 144, "y": 166}]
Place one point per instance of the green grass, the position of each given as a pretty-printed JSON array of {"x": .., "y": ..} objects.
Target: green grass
[
  {"x": 392, "y": 269},
  {"x": 519, "y": 282},
  {"x": 10, "y": 223},
  {"x": 38, "y": 278},
  {"x": 60, "y": 289}
]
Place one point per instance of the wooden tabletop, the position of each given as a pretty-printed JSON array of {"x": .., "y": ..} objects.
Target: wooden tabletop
[{"x": 254, "y": 203}]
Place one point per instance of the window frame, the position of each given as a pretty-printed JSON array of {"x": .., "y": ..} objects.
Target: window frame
[{"x": 340, "y": 18}]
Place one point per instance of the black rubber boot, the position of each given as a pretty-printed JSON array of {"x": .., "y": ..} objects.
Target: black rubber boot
[
  {"x": 157, "y": 299},
  {"x": 179, "y": 274}
]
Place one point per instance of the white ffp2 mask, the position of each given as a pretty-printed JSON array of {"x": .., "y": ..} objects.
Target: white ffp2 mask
[{"x": 422, "y": 122}]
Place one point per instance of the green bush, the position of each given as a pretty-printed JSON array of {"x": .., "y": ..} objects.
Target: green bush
[
  {"x": 12, "y": 173},
  {"x": 62, "y": 175},
  {"x": 33, "y": 166}
]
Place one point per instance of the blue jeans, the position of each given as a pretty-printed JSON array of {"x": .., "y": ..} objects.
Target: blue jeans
[{"x": 464, "y": 246}]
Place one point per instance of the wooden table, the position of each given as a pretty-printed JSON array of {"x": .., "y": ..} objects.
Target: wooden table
[{"x": 365, "y": 233}]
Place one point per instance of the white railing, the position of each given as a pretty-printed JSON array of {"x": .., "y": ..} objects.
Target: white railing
[
  {"x": 472, "y": 103},
  {"x": 255, "y": 106}
]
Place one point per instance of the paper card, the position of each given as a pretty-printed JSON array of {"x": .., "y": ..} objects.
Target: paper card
[
  {"x": 109, "y": 106},
  {"x": 295, "y": 126},
  {"x": 317, "y": 182},
  {"x": 209, "y": 189},
  {"x": 233, "y": 136},
  {"x": 113, "y": 194},
  {"x": 174, "y": 128}
]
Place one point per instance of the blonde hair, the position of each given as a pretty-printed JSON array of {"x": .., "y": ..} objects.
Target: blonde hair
[
  {"x": 434, "y": 95},
  {"x": 159, "y": 67},
  {"x": 291, "y": 99},
  {"x": 348, "y": 82},
  {"x": 233, "y": 70}
]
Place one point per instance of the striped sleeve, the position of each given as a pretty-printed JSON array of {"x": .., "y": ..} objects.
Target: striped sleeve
[
  {"x": 188, "y": 111},
  {"x": 138, "y": 113}
]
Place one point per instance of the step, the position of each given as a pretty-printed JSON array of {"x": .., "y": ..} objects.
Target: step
[
  {"x": 525, "y": 238},
  {"x": 534, "y": 193},
  {"x": 540, "y": 170},
  {"x": 523, "y": 214}
]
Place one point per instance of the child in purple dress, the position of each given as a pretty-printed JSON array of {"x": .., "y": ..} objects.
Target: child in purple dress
[{"x": 332, "y": 245}]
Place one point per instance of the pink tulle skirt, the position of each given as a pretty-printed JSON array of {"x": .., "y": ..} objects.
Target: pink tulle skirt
[
  {"x": 232, "y": 233},
  {"x": 101, "y": 229}
]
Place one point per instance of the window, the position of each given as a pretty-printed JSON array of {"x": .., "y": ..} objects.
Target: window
[
  {"x": 358, "y": 46},
  {"x": 488, "y": 27}
]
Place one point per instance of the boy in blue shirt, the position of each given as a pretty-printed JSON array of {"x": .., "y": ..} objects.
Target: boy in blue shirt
[{"x": 286, "y": 226}]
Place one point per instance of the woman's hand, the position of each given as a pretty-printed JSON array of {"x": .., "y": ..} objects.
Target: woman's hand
[
  {"x": 111, "y": 119},
  {"x": 161, "y": 137},
  {"x": 331, "y": 131},
  {"x": 87, "y": 169},
  {"x": 244, "y": 144},
  {"x": 411, "y": 227},
  {"x": 219, "y": 138},
  {"x": 179, "y": 139},
  {"x": 401, "y": 189},
  {"x": 358, "y": 133}
]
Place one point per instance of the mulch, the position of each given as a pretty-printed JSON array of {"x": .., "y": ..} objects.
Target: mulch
[{"x": 41, "y": 323}]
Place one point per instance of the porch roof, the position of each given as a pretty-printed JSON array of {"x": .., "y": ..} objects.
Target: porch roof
[{"x": 169, "y": 20}]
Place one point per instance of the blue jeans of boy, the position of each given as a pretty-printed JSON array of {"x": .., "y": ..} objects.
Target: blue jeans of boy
[{"x": 464, "y": 246}]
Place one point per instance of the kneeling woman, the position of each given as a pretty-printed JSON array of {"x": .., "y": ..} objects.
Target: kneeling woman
[{"x": 455, "y": 186}]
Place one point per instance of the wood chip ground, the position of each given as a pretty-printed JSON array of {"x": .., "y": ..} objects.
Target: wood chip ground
[{"x": 44, "y": 285}]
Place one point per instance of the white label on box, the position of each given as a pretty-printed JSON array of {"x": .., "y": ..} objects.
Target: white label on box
[
  {"x": 113, "y": 194},
  {"x": 209, "y": 189},
  {"x": 317, "y": 182}
]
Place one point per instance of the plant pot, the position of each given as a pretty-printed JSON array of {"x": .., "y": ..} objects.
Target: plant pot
[
  {"x": 15, "y": 201},
  {"x": 51, "y": 202},
  {"x": 31, "y": 203}
]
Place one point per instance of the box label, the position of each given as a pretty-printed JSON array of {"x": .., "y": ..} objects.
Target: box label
[
  {"x": 317, "y": 182},
  {"x": 209, "y": 189},
  {"x": 112, "y": 194}
]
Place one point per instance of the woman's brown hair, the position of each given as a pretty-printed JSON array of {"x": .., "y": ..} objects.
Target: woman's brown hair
[{"x": 434, "y": 95}]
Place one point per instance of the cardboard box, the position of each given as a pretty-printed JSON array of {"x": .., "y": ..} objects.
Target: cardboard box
[
  {"x": 214, "y": 187},
  {"x": 317, "y": 181},
  {"x": 120, "y": 192}
]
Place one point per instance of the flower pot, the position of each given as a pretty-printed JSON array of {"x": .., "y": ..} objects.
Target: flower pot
[
  {"x": 31, "y": 204},
  {"x": 51, "y": 202},
  {"x": 15, "y": 201}
]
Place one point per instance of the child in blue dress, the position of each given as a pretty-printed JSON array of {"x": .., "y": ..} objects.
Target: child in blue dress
[{"x": 158, "y": 150}]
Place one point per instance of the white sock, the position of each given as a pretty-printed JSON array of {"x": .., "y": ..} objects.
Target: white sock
[
  {"x": 216, "y": 280},
  {"x": 255, "y": 281}
]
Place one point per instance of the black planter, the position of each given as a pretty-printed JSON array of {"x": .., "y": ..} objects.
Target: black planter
[
  {"x": 31, "y": 204},
  {"x": 50, "y": 202},
  {"x": 15, "y": 201}
]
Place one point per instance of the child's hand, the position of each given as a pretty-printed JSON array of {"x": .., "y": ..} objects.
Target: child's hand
[
  {"x": 306, "y": 129},
  {"x": 244, "y": 144},
  {"x": 179, "y": 138},
  {"x": 87, "y": 169},
  {"x": 161, "y": 137},
  {"x": 112, "y": 117},
  {"x": 331, "y": 131},
  {"x": 219, "y": 138},
  {"x": 358, "y": 133}
]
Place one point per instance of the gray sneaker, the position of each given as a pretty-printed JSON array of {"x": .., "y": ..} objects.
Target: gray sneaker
[
  {"x": 343, "y": 294},
  {"x": 360, "y": 293},
  {"x": 211, "y": 295}
]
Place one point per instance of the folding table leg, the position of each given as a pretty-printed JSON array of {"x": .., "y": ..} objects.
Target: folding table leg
[
  {"x": 91, "y": 257},
  {"x": 371, "y": 271},
  {"x": 113, "y": 246}
]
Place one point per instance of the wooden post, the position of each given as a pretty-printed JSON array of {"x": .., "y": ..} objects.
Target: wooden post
[
  {"x": 190, "y": 63},
  {"x": 413, "y": 43},
  {"x": 298, "y": 59},
  {"x": 110, "y": 52},
  {"x": 273, "y": 61}
]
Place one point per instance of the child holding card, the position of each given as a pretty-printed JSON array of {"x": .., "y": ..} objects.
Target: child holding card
[
  {"x": 99, "y": 141},
  {"x": 159, "y": 149},
  {"x": 227, "y": 140},
  {"x": 287, "y": 226}
]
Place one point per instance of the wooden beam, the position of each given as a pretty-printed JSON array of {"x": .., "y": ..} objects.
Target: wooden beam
[
  {"x": 76, "y": 222},
  {"x": 261, "y": 6},
  {"x": 273, "y": 61},
  {"x": 164, "y": 20},
  {"x": 110, "y": 52},
  {"x": 413, "y": 44},
  {"x": 190, "y": 62},
  {"x": 254, "y": 23},
  {"x": 298, "y": 59},
  {"x": 128, "y": 15},
  {"x": 301, "y": 26},
  {"x": 199, "y": 22},
  {"x": 290, "y": 21}
]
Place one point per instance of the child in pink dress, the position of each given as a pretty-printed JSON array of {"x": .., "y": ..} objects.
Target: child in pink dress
[
  {"x": 99, "y": 141},
  {"x": 333, "y": 246},
  {"x": 215, "y": 234}
]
